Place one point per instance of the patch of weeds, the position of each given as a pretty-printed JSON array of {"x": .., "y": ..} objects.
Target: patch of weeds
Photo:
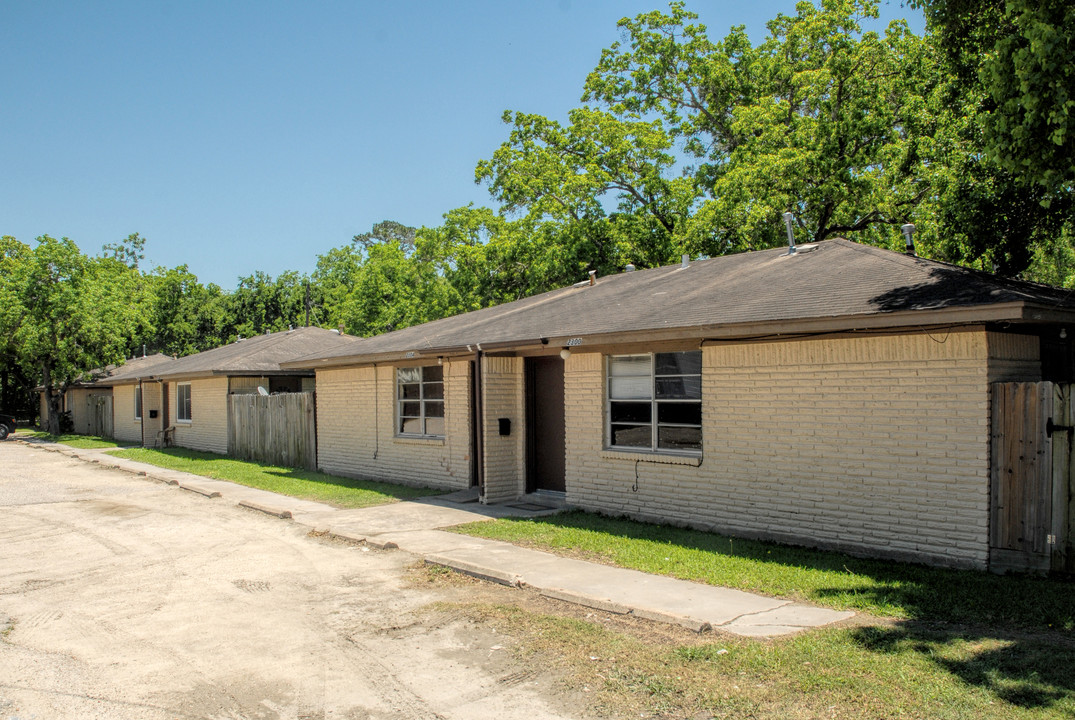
[{"x": 896, "y": 671}]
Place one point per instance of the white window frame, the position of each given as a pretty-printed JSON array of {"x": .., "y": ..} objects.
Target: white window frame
[
  {"x": 179, "y": 404},
  {"x": 655, "y": 403},
  {"x": 137, "y": 402},
  {"x": 422, "y": 401}
]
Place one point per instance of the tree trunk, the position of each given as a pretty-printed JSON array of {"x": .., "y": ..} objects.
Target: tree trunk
[{"x": 54, "y": 399}]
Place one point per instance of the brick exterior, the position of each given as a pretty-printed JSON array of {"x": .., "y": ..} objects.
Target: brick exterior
[
  {"x": 873, "y": 445},
  {"x": 503, "y": 396},
  {"x": 356, "y": 418},
  {"x": 152, "y": 399},
  {"x": 208, "y": 428},
  {"x": 125, "y": 428}
]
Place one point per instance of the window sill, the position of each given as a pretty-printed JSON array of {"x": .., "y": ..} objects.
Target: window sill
[
  {"x": 652, "y": 457},
  {"x": 184, "y": 422},
  {"x": 418, "y": 440}
]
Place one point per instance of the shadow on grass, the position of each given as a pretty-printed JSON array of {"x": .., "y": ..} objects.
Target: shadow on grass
[
  {"x": 1032, "y": 671},
  {"x": 912, "y": 591}
]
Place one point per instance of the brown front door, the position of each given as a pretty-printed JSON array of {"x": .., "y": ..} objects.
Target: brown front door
[
  {"x": 545, "y": 424},
  {"x": 164, "y": 422}
]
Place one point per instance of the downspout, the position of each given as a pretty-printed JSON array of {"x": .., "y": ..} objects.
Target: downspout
[
  {"x": 141, "y": 412},
  {"x": 479, "y": 427},
  {"x": 377, "y": 415}
]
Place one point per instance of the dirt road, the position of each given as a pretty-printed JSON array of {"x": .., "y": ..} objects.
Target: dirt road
[{"x": 123, "y": 598}]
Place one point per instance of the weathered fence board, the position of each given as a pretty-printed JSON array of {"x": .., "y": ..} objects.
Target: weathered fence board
[
  {"x": 100, "y": 415},
  {"x": 1029, "y": 475},
  {"x": 275, "y": 429}
]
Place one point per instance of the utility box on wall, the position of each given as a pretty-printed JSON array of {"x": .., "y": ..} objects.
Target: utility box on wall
[{"x": 505, "y": 426}]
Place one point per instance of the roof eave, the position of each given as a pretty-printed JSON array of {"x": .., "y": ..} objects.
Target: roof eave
[
  {"x": 1017, "y": 312},
  {"x": 446, "y": 351},
  {"x": 1014, "y": 312}
]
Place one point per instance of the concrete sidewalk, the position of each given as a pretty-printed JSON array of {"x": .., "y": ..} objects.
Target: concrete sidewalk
[{"x": 414, "y": 526}]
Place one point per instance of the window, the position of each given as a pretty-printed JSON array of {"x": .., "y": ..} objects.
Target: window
[
  {"x": 420, "y": 401},
  {"x": 655, "y": 401},
  {"x": 182, "y": 402},
  {"x": 138, "y": 402}
]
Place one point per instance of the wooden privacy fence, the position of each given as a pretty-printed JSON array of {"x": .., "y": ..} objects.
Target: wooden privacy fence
[
  {"x": 1031, "y": 483},
  {"x": 99, "y": 415},
  {"x": 274, "y": 429}
]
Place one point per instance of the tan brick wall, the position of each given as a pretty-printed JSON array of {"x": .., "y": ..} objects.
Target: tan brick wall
[
  {"x": 124, "y": 426},
  {"x": 208, "y": 429},
  {"x": 152, "y": 399},
  {"x": 878, "y": 445},
  {"x": 356, "y": 418},
  {"x": 503, "y": 396}
]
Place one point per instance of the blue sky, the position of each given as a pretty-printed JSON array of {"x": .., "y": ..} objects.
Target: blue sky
[{"x": 243, "y": 136}]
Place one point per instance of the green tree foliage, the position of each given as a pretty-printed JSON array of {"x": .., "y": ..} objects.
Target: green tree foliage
[
  {"x": 1017, "y": 55},
  {"x": 821, "y": 119},
  {"x": 387, "y": 232},
  {"x": 188, "y": 317},
  {"x": 1002, "y": 174},
  {"x": 67, "y": 313},
  {"x": 486, "y": 259},
  {"x": 606, "y": 182},
  {"x": 377, "y": 284},
  {"x": 261, "y": 304},
  {"x": 333, "y": 282},
  {"x": 15, "y": 380},
  {"x": 129, "y": 251}
]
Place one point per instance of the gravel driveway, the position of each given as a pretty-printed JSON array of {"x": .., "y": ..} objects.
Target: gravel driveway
[{"x": 124, "y": 598}]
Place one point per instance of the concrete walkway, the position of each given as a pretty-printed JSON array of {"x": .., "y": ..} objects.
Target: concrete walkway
[{"x": 414, "y": 526}]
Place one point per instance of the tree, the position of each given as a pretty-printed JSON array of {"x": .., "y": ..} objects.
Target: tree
[
  {"x": 261, "y": 304},
  {"x": 129, "y": 251},
  {"x": 821, "y": 119},
  {"x": 485, "y": 259},
  {"x": 387, "y": 231},
  {"x": 188, "y": 317},
  {"x": 68, "y": 313},
  {"x": 333, "y": 282},
  {"x": 15, "y": 377},
  {"x": 1002, "y": 196},
  {"x": 1020, "y": 55},
  {"x": 572, "y": 175}
]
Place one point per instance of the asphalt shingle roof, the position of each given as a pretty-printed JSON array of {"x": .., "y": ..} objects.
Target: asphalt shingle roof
[
  {"x": 255, "y": 355},
  {"x": 833, "y": 279},
  {"x": 130, "y": 369}
]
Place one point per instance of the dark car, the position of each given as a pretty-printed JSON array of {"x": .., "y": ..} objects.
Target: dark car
[{"x": 7, "y": 425}]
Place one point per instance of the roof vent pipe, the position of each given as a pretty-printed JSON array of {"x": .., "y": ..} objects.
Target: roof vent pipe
[
  {"x": 593, "y": 277},
  {"x": 788, "y": 220},
  {"x": 908, "y": 234},
  {"x": 685, "y": 261}
]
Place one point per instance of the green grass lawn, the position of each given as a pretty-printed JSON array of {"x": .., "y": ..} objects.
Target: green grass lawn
[
  {"x": 903, "y": 671},
  {"x": 83, "y": 442},
  {"x": 305, "y": 484},
  {"x": 928, "y": 642},
  {"x": 882, "y": 588}
]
